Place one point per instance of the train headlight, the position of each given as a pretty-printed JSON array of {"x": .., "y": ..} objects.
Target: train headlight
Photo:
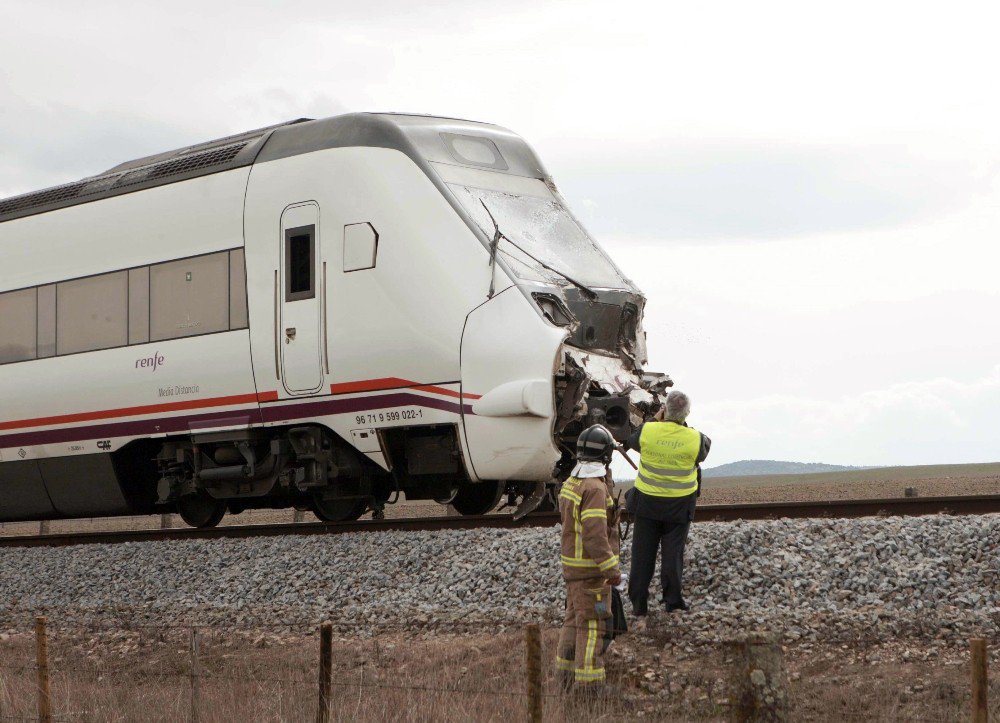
[{"x": 553, "y": 309}]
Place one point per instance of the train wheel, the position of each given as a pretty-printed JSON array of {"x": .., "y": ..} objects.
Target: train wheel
[
  {"x": 200, "y": 510},
  {"x": 338, "y": 509},
  {"x": 478, "y": 498}
]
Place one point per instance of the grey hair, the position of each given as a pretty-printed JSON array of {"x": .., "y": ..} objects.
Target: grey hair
[{"x": 678, "y": 407}]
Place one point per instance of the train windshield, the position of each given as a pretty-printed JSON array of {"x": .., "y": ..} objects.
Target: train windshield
[{"x": 544, "y": 228}]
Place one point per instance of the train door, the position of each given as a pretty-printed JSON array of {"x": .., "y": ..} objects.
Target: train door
[{"x": 299, "y": 337}]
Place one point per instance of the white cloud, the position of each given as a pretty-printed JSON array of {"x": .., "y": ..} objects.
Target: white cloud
[
  {"x": 725, "y": 188},
  {"x": 936, "y": 421},
  {"x": 808, "y": 194}
]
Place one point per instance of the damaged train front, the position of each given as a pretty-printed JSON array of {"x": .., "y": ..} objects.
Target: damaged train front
[
  {"x": 593, "y": 314},
  {"x": 601, "y": 376}
]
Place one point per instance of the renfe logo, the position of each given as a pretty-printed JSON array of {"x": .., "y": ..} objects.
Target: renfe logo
[{"x": 152, "y": 362}]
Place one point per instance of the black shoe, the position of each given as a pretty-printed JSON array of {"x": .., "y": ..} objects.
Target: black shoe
[{"x": 672, "y": 607}]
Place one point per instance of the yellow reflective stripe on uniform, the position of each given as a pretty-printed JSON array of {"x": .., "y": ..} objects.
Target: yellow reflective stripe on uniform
[
  {"x": 586, "y": 562},
  {"x": 587, "y": 514},
  {"x": 608, "y": 564},
  {"x": 662, "y": 484},
  {"x": 570, "y": 495},
  {"x": 589, "y": 673},
  {"x": 577, "y": 561},
  {"x": 576, "y": 499},
  {"x": 667, "y": 471},
  {"x": 563, "y": 664},
  {"x": 588, "y": 659}
]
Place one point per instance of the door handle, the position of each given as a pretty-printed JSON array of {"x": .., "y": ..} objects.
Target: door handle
[{"x": 289, "y": 334}]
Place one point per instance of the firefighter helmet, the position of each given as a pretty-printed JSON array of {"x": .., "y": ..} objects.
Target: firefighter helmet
[{"x": 595, "y": 444}]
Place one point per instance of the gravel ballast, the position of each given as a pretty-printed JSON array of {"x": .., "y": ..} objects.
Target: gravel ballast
[{"x": 873, "y": 578}]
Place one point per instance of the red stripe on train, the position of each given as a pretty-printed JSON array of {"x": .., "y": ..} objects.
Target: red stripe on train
[
  {"x": 145, "y": 409},
  {"x": 370, "y": 385},
  {"x": 385, "y": 383}
]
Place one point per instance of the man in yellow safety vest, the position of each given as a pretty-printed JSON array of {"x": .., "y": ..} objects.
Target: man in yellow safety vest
[{"x": 663, "y": 501}]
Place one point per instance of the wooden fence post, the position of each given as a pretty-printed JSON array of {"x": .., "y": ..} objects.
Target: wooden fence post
[
  {"x": 195, "y": 674},
  {"x": 325, "y": 672},
  {"x": 980, "y": 681},
  {"x": 758, "y": 682},
  {"x": 42, "y": 655},
  {"x": 533, "y": 664}
]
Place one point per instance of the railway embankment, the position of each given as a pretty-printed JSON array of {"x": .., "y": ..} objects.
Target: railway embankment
[{"x": 868, "y": 579}]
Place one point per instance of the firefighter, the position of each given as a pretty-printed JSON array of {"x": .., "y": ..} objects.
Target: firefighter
[
  {"x": 663, "y": 502},
  {"x": 589, "y": 554}
]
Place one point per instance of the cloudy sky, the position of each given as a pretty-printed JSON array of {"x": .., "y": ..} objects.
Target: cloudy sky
[{"x": 808, "y": 193}]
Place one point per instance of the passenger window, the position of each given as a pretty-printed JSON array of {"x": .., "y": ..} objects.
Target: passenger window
[
  {"x": 300, "y": 263},
  {"x": 238, "y": 316},
  {"x": 92, "y": 313},
  {"x": 138, "y": 305},
  {"x": 17, "y": 325},
  {"x": 189, "y": 297},
  {"x": 46, "y": 321}
]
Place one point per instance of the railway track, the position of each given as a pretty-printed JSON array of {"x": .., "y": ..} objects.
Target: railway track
[{"x": 896, "y": 507}]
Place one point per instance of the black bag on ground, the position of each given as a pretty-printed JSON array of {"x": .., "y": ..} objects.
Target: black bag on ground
[{"x": 618, "y": 623}]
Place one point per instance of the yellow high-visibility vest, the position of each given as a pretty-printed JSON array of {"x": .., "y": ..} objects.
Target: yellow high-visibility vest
[{"x": 667, "y": 460}]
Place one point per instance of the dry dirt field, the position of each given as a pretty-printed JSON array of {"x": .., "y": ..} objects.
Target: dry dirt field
[
  {"x": 927, "y": 480},
  {"x": 271, "y": 676}
]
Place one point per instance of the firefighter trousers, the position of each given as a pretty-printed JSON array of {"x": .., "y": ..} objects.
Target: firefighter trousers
[{"x": 583, "y": 638}]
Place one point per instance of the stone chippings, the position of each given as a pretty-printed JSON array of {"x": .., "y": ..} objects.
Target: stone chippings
[{"x": 809, "y": 579}]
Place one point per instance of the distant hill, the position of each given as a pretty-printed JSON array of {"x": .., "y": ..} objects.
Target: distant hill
[{"x": 756, "y": 467}]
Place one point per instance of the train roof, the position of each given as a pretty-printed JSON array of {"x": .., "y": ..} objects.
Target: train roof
[{"x": 418, "y": 136}]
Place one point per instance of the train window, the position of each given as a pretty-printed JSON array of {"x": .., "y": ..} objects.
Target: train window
[
  {"x": 138, "y": 305},
  {"x": 360, "y": 246},
  {"x": 46, "y": 321},
  {"x": 474, "y": 151},
  {"x": 17, "y": 325},
  {"x": 189, "y": 297},
  {"x": 238, "y": 316},
  {"x": 91, "y": 313},
  {"x": 300, "y": 263}
]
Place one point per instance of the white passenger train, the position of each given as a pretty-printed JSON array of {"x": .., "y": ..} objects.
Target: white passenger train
[{"x": 323, "y": 314}]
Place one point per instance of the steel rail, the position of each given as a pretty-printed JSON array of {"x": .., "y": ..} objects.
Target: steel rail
[{"x": 892, "y": 507}]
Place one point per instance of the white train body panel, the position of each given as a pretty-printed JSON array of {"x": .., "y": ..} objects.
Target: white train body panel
[
  {"x": 367, "y": 315},
  {"x": 133, "y": 230}
]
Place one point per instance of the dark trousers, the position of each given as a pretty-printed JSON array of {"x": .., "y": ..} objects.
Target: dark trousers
[{"x": 648, "y": 535}]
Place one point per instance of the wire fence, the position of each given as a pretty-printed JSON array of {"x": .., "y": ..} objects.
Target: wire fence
[{"x": 53, "y": 671}]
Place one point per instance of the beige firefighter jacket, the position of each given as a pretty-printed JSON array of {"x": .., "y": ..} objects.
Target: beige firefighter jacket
[{"x": 589, "y": 547}]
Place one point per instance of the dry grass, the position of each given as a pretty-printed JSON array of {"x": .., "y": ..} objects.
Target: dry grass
[
  {"x": 929, "y": 481},
  {"x": 881, "y": 474},
  {"x": 271, "y": 676}
]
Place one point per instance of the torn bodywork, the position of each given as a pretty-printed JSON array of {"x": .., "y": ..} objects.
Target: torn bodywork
[{"x": 601, "y": 377}]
